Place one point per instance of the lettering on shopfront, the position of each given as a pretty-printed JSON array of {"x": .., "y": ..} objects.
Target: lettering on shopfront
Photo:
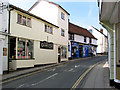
[{"x": 46, "y": 45}]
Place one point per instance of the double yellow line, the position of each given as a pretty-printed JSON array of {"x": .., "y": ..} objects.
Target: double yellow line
[{"x": 82, "y": 76}]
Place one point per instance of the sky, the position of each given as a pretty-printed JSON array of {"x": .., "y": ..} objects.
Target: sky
[{"x": 82, "y": 12}]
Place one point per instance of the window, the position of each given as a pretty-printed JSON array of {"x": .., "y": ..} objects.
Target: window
[
  {"x": 71, "y": 37},
  {"x": 62, "y": 32},
  {"x": 28, "y": 22},
  {"x": 45, "y": 28},
  {"x": 84, "y": 38},
  {"x": 25, "y": 49},
  {"x": 62, "y": 15},
  {"x": 24, "y": 20},
  {"x": 51, "y": 30},
  {"x": 90, "y": 40},
  {"x": 64, "y": 52},
  {"x": 69, "y": 48},
  {"x": 19, "y": 18},
  {"x": 48, "y": 29}
]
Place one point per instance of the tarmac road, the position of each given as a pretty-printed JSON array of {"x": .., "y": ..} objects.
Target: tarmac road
[{"x": 69, "y": 75}]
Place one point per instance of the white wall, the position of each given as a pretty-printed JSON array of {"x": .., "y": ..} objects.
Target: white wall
[
  {"x": 46, "y": 11},
  {"x": 101, "y": 42},
  {"x": 79, "y": 38}
]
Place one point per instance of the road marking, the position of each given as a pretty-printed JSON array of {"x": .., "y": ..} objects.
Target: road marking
[
  {"x": 82, "y": 76},
  {"x": 71, "y": 70},
  {"x": 52, "y": 69},
  {"x": 9, "y": 80},
  {"x": 45, "y": 79},
  {"x": 76, "y": 66}
]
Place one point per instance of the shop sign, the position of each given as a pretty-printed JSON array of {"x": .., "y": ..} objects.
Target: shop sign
[
  {"x": 4, "y": 51},
  {"x": 46, "y": 45},
  {"x": 80, "y": 44}
]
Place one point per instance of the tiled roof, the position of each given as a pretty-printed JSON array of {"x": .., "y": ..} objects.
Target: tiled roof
[{"x": 80, "y": 31}]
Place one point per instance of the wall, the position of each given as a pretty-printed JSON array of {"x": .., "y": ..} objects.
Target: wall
[
  {"x": 101, "y": 42},
  {"x": 36, "y": 32},
  {"x": 46, "y": 11}
]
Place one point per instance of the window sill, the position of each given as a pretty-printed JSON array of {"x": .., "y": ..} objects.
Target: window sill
[
  {"x": 24, "y": 25},
  {"x": 24, "y": 59},
  {"x": 49, "y": 33}
]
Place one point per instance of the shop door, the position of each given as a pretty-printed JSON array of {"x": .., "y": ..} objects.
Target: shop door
[
  {"x": 59, "y": 54},
  {"x": 80, "y": 51}
]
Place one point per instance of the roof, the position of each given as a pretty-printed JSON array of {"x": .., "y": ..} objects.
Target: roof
[
  {"x": 26, "y": 12},
  {"x": 80, "y": 31},
  {"x": 99, "y": 31},
  {"x": 48, "y": 2}
]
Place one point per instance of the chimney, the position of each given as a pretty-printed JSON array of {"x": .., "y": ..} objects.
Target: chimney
[{"x": 101, "y": 30}]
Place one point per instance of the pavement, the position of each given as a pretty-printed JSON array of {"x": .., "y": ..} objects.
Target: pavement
[{"x": 97, "y": 78}]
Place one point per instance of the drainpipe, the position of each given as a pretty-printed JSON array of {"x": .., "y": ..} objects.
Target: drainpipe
[{"x": 9, "y": 10}]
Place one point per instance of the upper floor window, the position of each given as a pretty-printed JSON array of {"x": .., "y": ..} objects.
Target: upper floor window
[
  {"x": 24, "y": 20},
  {"x": 62, "y": 32},
  {"x": 28, "y": 22},
  {"x": 90, "y": 40},
  {"x": 71, "y": 37},
  {"x": 48, "y": 29},
  {"x": 62, "y": 16},
  {"x": 84, "y": 38},
  {"x": 19, "y": 18}
]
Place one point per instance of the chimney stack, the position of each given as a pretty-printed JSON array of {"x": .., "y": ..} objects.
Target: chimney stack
[{"x": 101, "y": 30}]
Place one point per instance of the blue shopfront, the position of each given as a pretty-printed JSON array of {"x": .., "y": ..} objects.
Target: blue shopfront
[
  {"x": 76, "y": 50},
  {"x": 82, "y": 50}
]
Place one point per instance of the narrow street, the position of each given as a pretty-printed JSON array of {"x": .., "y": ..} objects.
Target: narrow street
[{"x": 63, "y": 76}]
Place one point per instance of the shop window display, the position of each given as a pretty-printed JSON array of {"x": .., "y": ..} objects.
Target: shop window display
[
  {"x": 64, "y": 52},
  {"x": 25, "y": 48}
]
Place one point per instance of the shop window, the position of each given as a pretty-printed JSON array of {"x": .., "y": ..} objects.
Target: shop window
[
  {"x": 62, "y": 16},
  {"x": 25, "y": 49},
  {"x": 64, "y": 52},
  {"x": 84, "y": 38},
  {"x": 21, "y": 48},
  {"x": 62, "y": 32},
  {"x": 12, "y": 48},
  {"x": 69, "y": 48}
]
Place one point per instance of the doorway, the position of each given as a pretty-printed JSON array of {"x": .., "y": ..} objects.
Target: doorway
[{"x": 59, "y": 54}]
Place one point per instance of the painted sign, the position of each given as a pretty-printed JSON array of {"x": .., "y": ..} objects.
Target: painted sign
[{"x": 46, "y": 45}]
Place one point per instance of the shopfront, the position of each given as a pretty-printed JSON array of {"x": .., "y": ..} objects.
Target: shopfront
[
  {"x": 21, "y": 53},
  {"x": 74, "y": 50}
]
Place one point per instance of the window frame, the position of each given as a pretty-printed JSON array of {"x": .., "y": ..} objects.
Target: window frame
[
  {"x": 85, "y": 39},
  {"x": 24, "y": 20},
  {"x": 63, "y": 32},
  {"x": 62, "y": 16}
]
